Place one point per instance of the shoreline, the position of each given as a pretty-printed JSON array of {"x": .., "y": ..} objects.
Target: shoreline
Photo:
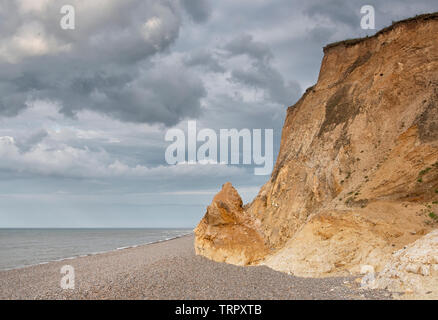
[
  {"x": 170, "y": 270},
  {"x": 94, "y": 253}
]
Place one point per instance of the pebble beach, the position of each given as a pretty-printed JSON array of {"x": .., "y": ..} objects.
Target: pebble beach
[{"x": 170, "y": 270}]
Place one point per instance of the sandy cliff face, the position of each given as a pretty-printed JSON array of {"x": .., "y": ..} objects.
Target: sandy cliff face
[{"x": 356, "y": 177}]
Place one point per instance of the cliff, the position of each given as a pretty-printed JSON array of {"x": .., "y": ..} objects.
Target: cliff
[{"x": 356, "y": 178}]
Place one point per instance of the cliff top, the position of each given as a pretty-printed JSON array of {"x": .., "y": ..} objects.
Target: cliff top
[{"x": 352, "y": 42}]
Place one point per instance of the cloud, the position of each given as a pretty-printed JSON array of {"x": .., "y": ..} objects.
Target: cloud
[
  {"x": 245, "y": 44},
  {"x": 108, "y": 64},
  {"x": 30, "y": 40},
  {"x": 349, "y": 15},
  {"x": 204, "y": 59},
  {"x": 261, "y": 74},
  {"x": 34, "y": 139},
  {"x": 67, "y": 161},
  {"x": 198, "y": 10},
  {"x": 162, "y": 94},
  {"x": 265, "y": 77}
]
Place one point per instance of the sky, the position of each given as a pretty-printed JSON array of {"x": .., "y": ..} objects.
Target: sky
[{"x": 84, "y": 112}]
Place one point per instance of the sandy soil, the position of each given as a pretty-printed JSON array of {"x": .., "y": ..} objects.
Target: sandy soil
[{"x": 170, "y": 270}]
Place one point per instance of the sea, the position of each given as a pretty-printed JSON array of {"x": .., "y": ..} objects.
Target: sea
[{"x": 26, "y": 247}]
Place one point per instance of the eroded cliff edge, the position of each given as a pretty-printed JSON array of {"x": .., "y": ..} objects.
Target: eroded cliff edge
[{"x": 356, "y": 178}]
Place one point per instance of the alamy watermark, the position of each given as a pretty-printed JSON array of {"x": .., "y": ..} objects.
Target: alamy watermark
[
  {"x": 369, "y": 278},
  {"x": 68, "y": 19},
  {"x": 185, "y": 150},
  {"x": 368, "y": 18},
  {"x": 68, "y": 280},
  {"x": 69, "y": 16}
]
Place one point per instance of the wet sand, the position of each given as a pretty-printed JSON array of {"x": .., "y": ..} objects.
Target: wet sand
[{"x": 170, "y": 270}]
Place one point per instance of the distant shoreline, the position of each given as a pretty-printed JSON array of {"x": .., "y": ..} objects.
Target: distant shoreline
[{"x": 91, "y": 253}]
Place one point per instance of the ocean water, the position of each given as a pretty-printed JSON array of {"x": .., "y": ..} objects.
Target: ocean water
[{"x": 25, "y": 247}]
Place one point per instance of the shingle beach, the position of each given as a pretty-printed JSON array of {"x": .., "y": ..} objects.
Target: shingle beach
[{"x": 170, "y": 270}]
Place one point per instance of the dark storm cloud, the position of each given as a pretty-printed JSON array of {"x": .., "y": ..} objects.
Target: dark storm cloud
[
  {"x": 162, "y": 95},
  {"x": 103, "y": 65},
  {"x": 153, "y": 94}
]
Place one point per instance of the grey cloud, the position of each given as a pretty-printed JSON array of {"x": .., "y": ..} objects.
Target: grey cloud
[
  {"x": 11, "y": 104},
  {"x": 161, "y": 95},
  {"x": 237, "y": 113},
  {"x": 320, "y": 34},
  {"x": 349, "y": 15},
  {"x": 199, "y": 10},
  {"x": 104, "y": 65},
  {"x": 245, "y": 44},
  {"x": 155, "y": 94},
  {"x": 261, "y": 74},
  {"x": 204, "y": 59},
  {"x": 346, "y": 16},
  {"x": 27, "y": 143}
]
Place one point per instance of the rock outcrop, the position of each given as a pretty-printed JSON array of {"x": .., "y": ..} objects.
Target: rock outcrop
[
  {"x": 413, "y": 270},
  {"x": 228, "y": 235},
  {"x": 356, "y": 177}
]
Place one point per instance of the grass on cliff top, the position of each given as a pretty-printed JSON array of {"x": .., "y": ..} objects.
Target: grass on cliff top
[{"x": 352, "y": 42}]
